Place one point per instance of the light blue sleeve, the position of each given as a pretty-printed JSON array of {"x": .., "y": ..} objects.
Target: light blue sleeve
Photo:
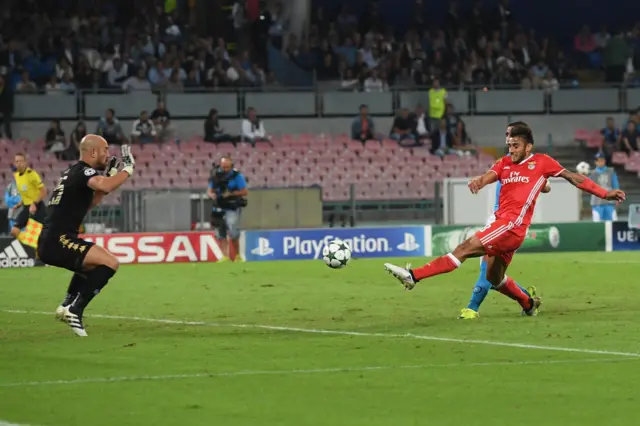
[
  {"x": 614, "y": 181},
  {"x": 241, "y": 183},
  {"x": 497, "y": 204}
]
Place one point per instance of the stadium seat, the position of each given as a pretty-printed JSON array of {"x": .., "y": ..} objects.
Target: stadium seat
[
  {"x": 582, "y": 134},
  {"x": 619, "y": 158}
]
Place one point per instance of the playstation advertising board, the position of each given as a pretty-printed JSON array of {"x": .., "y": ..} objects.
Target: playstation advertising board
[
  {"x": 14, "y": 254},
  {"x": 307, "y": 244}
]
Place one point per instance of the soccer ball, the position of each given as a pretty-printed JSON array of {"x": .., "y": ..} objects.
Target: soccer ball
[
  {"x": 336, "y": 254},
  {"x": 583, "y": 168}
]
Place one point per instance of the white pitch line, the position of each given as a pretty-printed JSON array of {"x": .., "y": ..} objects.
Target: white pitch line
[
  {"x": 348, "y": 333},
  {"x": 304, "y": 371},
  {"x": 3, "y": 423}
]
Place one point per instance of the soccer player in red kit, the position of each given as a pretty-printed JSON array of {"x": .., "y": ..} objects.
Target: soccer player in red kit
[{"x": 522, "y": 174}]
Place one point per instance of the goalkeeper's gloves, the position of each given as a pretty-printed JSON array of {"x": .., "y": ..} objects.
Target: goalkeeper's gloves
[
  {"x": 112, "y": 167},
  {"x": 128, "y": 160}
]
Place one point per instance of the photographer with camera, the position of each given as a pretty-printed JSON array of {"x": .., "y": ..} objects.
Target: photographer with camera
[{"x": 228, "y": 190}]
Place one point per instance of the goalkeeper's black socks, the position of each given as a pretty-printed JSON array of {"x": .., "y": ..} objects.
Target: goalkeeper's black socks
[
  {"x": 76, "y": 283},
  {"x": 96, "y": 280}
]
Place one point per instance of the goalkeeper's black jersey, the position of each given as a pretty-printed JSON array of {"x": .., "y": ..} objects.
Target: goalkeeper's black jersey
[{"x": 70, "y": 200}]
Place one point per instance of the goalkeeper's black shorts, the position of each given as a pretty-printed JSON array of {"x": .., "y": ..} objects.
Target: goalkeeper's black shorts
[{"x": 62, "y": 250}]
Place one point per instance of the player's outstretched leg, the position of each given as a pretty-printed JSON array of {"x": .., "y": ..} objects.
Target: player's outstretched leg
[
  {"x": 101, "y": 266},
  {"x": 472, "y": 247},
  {"x": 496, "y": 275}
]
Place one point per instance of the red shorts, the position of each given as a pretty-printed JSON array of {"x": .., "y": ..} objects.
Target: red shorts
[{"x": 502, "y": 238}]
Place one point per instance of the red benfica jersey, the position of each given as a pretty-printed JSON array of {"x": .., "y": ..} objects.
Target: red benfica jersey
[{"x": 521, "y": 185}]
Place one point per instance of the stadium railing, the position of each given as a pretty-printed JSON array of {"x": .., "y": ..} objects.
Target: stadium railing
[{"x": 302, "y": 102}]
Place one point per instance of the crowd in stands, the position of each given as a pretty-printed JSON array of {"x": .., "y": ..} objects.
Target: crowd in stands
[
  {"x": 115, "y": 48},
  {"x": 476, "y": 46},
  {"x": 473, "y": 47},
  {"x": 625, "y": 139}
]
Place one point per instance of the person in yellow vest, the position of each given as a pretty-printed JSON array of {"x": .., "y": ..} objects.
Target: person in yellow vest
[
  {"x": 32, "y": 191},
  {"x": 437, "y": 104}
]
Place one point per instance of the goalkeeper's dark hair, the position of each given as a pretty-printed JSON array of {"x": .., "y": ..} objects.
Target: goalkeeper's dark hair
[{"x": 520, "y": 129}]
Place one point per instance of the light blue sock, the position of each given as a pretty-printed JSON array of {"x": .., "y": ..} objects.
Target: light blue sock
[{"x": 481, "y": 288}]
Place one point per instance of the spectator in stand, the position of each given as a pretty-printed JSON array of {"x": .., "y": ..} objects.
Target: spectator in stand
[
  {"x": 349, "y": 82},
  {"x": 253, "y": 128},
  {"x": 585, "y": 44},
  {"x": 137, "y": 82},
  {"x": 437, "y": 103},
  {"x": 401, "y": 130},
  {"x": 117, "y": 74},
  {"x": 6, "y": 109},
  {"x": 213, "y": 131},
  {"x": 550, "y": 83},
  {"x": 192, "y": 80},
  {"x": 110, "y": 129},
  {"x": 162, "y": 120},
  {"x": 610, "y": 139},
  {"x": 84, "y": 74},
  {"x": 420, "y": 123},
  {"x": 159, "y": 75},
  {"x": 328, "y": 70},
  {"x": 63, "y": 67},
  {"x": 455, "y": 125},
  {"x": 175, "y": 84},
  {"x": 53, "y": 86},
  {"x": 55, "y": 139},
  {"x": 374, "y": 84},
  {"x": 630, "y": 138},
  {"x": 143, "y": 130},
  {"x": 531, "y": 81},
  {"x": 616, "y": 55},
  {"x": 635, "y": 117},
  {"x": 26, "y": 85},
  {"x": 73, "y": 151},
  {"x": 442, "y": 141},
  {"x": 540, "y": 69},
  {"x": 602, "y": 38},
  {"x": 363, "y": 128},
  {"x": 66, "y": 85}
]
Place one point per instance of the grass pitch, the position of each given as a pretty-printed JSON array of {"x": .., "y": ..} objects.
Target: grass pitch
[{"x": 295, "y": 343}]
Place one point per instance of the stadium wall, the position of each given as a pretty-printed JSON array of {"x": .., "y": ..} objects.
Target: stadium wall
[{"x": 558, "y": 129}]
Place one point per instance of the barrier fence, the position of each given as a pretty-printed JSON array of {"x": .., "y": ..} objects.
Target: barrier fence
[
  {"x": 307, "y": 244},
  {"x": 305, "y": 103}
]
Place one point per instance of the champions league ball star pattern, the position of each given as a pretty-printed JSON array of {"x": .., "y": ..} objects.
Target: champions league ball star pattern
[{"x": 336, "y": 254}]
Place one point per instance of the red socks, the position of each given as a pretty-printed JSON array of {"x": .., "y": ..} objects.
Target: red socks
[
  {"x": 509, "y": 288},
  {"x": 441, "y": 265}
]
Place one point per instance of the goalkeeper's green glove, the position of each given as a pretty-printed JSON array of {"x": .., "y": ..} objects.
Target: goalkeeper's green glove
[
  {"x": 128, "y": 160},
  {"x": 112, "y": 167}
]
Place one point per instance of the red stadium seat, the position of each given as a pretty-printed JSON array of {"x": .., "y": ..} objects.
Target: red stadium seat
[{"x": 619, "y": 158}]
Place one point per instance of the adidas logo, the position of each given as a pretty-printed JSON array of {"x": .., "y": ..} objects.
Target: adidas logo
[
  {"x": 14, "y": 256},
  {"x": 263, "y": 248},
  {"x": 409, "y": 243}
]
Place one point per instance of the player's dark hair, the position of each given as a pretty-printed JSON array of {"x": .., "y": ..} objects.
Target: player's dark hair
[
  {"x": 20, "y": 154},
  {"x": 522, "y": 130},
  {"x": 517, "y": 123}
]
